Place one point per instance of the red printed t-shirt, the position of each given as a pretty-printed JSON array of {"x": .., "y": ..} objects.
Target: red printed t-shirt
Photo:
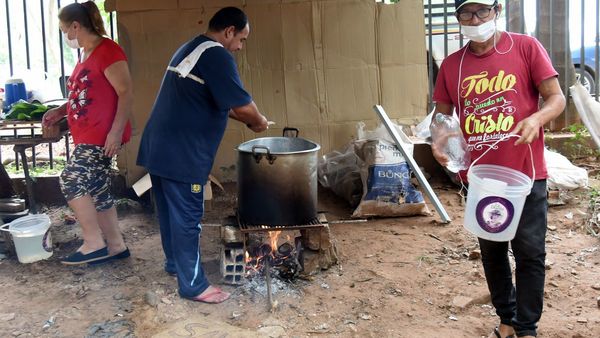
[
  {"x": 496, "y": 92},
  {"x": 92, "y": 103}
]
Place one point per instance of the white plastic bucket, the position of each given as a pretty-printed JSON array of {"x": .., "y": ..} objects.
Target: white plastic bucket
[
  {"x": 31, "y": 236},
  {"x": 495, "y": 199}
]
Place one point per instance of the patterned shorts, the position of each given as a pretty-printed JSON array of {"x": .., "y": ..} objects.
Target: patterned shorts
[{"x": 88, "y": 172}]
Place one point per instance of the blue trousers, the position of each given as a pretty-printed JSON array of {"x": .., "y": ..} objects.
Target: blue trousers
[
  {"x": 180, "y": 209},
  {"x": 520, "y": 306}
]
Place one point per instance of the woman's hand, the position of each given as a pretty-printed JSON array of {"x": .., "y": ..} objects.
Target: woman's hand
[
  {"x": 52, "y": 116},
  {"x": 112, "y": 145}
]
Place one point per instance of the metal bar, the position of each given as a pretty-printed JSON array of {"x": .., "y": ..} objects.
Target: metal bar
[
  {"x": 67, "y": 152},
  {"x": 10, "y": 56},
  {"x": 413, "y": 165},
  {"x": 507, "y": 14},
  {"x": 597, "y": 40},
  {"x": 522, "y": 18},
  {"x": 50, "y": 156},
  {"x": 28, "y": 58},
  {"x": 582, "y": 49},
  {"x": 44, "y": 49},
  {"x": 28, "y": 181},
  {"x": 112, "y": 28},
  {"x": 430, "y": 56},
  {"x": 538, "y": 10},
  {"x": 33, "y": 164},
  {"x": 445, "y": 29},
  {"x": 16, "y": 155},
  {"x": 551, "y": 22},
  {"x": 567, "y": 67},
  {"x": 63, "y": 85}
]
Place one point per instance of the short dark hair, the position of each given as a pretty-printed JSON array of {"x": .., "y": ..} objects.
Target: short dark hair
[{"x": 226, "y": 17}]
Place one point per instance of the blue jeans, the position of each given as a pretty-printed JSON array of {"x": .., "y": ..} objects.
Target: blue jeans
[
  {"x": 180, "y": 209},
  {"x": 520, "y": 306}
]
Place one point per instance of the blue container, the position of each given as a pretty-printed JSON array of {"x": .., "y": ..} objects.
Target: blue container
[{"x": 14, "y": 90}]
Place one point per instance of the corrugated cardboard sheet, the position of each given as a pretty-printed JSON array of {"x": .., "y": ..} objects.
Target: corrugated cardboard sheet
[{"x": 318, "y": 66}]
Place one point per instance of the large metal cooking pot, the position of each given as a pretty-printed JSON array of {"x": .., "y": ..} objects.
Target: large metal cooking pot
[{"x": 277, "y": 181}]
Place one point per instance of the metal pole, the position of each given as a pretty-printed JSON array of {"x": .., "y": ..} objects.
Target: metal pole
[
  {"x": 10, "y": 56},
  {"x": 28, "y": 59},
  {"x": 430, "y": 56},
  {"x": 411, "y": 162},
  {"x": 597, "y": 65},
  {"x": 567, "y": 67},
  {"x": 582, "y": 50},
  {"x": 44, "y": 49}
]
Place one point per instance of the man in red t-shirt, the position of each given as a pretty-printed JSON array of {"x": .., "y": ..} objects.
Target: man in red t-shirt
[{"x": 494, "y": 83}]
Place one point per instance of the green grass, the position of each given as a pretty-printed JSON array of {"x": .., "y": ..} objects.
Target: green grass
[{"x": 41, "y": 169}]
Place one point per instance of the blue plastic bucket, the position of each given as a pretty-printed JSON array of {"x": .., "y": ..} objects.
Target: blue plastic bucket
[{"x": 14, "y": 90}]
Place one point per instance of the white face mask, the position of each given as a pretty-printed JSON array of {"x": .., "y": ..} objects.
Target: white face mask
[
  {"x": 480, "y": 33},
  {"x": 71, "y": 43}
]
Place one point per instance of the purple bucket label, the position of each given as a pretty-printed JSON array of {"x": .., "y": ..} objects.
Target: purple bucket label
[
  {"x": 47, "y": 241},
  {"x": 494, "y": 214}
]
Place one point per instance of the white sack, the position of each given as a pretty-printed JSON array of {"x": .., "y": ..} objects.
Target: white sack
[{"x": 562, "y": 174}]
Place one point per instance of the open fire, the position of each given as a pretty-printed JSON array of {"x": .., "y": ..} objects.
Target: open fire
[{"x": 283, "y": 260}]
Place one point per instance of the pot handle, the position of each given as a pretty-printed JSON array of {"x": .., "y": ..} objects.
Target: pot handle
[
  {"x": 258, "y": 155},
  {"x": 4, "y": 227},
  {"x": 290, "y": 129}
]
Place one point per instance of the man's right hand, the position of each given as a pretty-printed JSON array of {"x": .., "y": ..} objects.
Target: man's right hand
[
  {"x": 250, "y": 116},
  {"x": 439, "y": 155},
  {"x": 261, "y": 126},
  {"x": 52, "y": 116}
]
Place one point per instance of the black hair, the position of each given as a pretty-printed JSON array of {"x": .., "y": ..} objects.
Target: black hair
[
  {"x": 86, "y": 13},
  {"x": 226, "y": 17}
]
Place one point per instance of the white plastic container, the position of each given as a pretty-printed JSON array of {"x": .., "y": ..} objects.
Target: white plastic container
[
  {"x": 495, "y": 200},
  {"x": 31, "y": 236}
]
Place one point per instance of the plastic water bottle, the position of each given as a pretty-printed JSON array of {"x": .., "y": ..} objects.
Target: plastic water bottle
[{"x": 447, "y": 136}]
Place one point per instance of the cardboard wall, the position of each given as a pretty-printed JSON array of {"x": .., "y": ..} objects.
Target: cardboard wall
[{"x": 318, "y": 66}]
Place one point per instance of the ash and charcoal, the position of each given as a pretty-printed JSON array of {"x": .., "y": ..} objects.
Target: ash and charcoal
[
  {"x": 284, "y": 262},
  {"x": 256, "y": 286}
]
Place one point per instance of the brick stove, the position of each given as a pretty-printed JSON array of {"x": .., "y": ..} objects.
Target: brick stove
[{"x": 312, "y": 244}]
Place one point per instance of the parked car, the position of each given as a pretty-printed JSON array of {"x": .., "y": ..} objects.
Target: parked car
[{"x": 589, "y": 74}]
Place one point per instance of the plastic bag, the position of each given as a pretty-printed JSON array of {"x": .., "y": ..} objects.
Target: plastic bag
[
  {"x": 340, "y": 172},
  {"x": 562, "y": 174},
  {"x": 588, "y": 109}
]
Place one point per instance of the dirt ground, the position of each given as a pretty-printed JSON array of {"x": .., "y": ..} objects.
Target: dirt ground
[{"x": 398, "y": 277}]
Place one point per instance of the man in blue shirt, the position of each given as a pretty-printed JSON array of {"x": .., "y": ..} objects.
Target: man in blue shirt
[{"x": 199, "y": 92}]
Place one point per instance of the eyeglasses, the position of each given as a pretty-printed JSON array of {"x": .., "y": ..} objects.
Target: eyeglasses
[{"x": 481, "y": 13}]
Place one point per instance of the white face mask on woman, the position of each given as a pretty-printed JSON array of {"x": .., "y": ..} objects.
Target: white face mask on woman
[
  {"x": 480, "y": 33},
  {"x": 73, "y": 43}
]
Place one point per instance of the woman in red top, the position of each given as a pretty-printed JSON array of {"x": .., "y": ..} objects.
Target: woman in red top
[{"x": 98, "y": 107}]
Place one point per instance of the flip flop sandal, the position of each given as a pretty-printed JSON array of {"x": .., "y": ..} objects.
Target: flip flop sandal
[
  {"x": 497, "y": 333},
  {"x": 206, "y": 298}
]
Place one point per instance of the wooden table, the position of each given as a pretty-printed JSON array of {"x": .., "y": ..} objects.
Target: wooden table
[{"x": 11, "y": 134}]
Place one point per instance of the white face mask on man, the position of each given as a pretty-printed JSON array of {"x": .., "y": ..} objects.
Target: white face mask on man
[
  {"x": 479, "y": 33},
  {"x": 73, "y": 43}
]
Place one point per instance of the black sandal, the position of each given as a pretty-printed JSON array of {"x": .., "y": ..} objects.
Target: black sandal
[{"x": 497, "y": 333}]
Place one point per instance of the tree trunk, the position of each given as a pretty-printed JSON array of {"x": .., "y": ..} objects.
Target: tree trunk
[
  {"x": 514, "y": 14},
  {"x": 553, "y": 33}
]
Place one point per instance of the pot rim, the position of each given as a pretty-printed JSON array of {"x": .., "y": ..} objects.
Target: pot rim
[{"x": 316, "y": 147}]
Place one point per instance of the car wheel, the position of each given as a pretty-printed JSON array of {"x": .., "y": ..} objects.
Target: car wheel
[{"x": 588, "y": 81}]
